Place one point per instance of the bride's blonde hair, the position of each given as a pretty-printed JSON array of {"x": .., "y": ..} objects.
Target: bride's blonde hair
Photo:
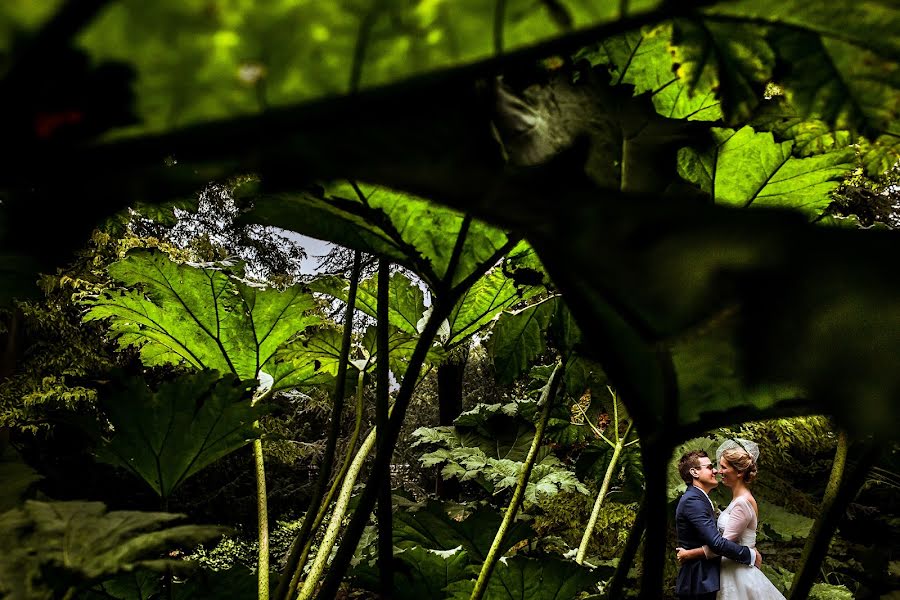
[{"x": 742, "y": 462}]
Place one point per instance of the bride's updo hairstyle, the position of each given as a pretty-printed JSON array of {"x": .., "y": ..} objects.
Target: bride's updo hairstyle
[
  {"x": 742, "y": 462},
  {"x": 742, "y": 455}
]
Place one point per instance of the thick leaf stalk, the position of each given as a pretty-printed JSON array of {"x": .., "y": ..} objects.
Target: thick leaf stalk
[
  {"x": 335, "y": 485},
  {"x": 382, "y": 401},
  {"x": 601, "y": 495},
  {"x": 288, "y": 582},
  {"x": 843, "y": 483},
  {"x": 442, "y": 307},
  {"x": 262, "y": 517},
  {"x": 334, "y": 525},
  {"x": 547, "y": 397}
]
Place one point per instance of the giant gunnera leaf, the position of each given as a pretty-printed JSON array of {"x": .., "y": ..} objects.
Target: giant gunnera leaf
[
  {"x": 746, "y": 168},
  {"x": 202, "y": 315},
  {"x": 50, "y": 548},
  {"x": 432, "y": 528},
  {"x": 521, "y": 578},
  {"x": 419, "y": 573},
  {"x": 167, "y": 435}
]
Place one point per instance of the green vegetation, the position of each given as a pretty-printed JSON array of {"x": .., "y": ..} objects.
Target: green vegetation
[{"x": 584, "y": 235}]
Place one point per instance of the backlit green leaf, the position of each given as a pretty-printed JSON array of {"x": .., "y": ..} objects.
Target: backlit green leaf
[
  {"x": 519, "y": 338},
  {"x": 643, "y": 59},
  {"x": 733, "y": 59},
  {"x": 202, "y": 316},
  {"x": 746, "y": 168}
]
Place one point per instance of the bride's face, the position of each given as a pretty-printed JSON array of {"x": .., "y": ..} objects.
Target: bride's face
[{"x": 729, "y": 474}]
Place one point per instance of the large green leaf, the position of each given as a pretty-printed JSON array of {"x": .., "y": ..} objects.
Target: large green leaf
[
  {"x": 236, "y": 583},
  {"x": 810, "y": 136},
  {"x": 781, "y": 524},
  {"x": 50, "y": 547},
  {"x": 746, "y": 168},
  {"x": 521, "y": 578},
  {"x": 483, "y": 302},
  {"x": 168, "y": 435},
  {"x": 420, "y": 572},
  {"x": 408, "y": 229},
  {"x": 643, "y": 59},
  {"x": 240, "y": 58},
  {"x": 734, "y": 59},
  {"x": 710, "y": 379},
  {"x": 839, "y": 82},
  {"x": 431, "y": 527},
  {"x": 406, "y": 301},
  {"x": 202, "y": 316},
  {"x": 518, "y": 338}
]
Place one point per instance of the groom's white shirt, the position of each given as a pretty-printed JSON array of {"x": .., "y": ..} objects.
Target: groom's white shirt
[{"x": 706, "y": 551}]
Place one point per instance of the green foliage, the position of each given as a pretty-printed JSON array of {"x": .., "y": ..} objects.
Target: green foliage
[
  {"x": 202, "y": 316},
  {"x": 732, "y": 59},
  {"x": 432, "y": 527},
  {"x": 746, "y": 168},
  {"x": 407, "y": 229},
  {"x": 780, "y": 524},
  {"x": 51, "y": 547},
  {"x": 642, "y": 59},
  {"x": 17, "y": 478},
  {"x": 520, "y": 337},
  {"x": 236, "y": 583},
  {"x": 521, "y": 578},
  {"x": 168, "y": 435},
  {"x": 548, "y": 477}
]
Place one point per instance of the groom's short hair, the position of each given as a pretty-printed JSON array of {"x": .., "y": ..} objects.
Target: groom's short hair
[{"x": 690, "y": 460}]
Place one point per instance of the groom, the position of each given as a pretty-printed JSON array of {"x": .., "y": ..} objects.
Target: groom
[{"x": 695, "y": 522}]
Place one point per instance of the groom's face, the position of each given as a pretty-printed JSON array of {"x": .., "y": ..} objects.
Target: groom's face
[{"x": 705, "y": 473}]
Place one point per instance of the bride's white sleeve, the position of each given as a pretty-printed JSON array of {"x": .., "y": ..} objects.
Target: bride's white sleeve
[{"x": 739, "y": 518}]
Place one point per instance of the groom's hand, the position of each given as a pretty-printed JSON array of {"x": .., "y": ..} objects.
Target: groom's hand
[{"x": 758, "y": 562}]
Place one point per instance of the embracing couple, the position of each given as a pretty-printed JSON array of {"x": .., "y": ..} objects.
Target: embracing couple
[{"x": 717, "y": 556}]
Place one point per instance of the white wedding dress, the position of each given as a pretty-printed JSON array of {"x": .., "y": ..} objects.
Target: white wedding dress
[{"x": 738, "y": 523}]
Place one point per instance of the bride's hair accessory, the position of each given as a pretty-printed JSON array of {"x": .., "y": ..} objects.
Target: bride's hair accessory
[{"x": 746, "y": 445}]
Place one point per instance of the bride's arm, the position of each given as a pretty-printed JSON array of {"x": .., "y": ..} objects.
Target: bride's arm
[{"x": 740, "y": 517}]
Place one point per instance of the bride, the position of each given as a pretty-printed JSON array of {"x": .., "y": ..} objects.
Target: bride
[{"x": 738, "y": 522}]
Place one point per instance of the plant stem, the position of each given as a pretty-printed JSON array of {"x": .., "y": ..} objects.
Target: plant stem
[
  {"x": 334, "y": 525},
  {"x": 382, "y": 398},
  {"x": 288, "y": 582},
  {"x": 443, "y": 305},
  {"x": 653, "y": 447},
  {"x": 843, "y": 483},
  {"x": 383, "y": 457},
  {"x": 601, "y": 495},
  {"x": 335, "y": 485},
  {"x": 547, "y": 396},
  {"x": 262, "y": 517}
]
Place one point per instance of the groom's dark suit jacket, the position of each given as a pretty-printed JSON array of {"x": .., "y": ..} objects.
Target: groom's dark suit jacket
[{"x": 695, "y": 523}]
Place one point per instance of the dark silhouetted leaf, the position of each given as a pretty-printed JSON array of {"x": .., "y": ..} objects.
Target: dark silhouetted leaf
[
  {"x": 50, "y": 547},
  {"x": 166, "y": 436}
]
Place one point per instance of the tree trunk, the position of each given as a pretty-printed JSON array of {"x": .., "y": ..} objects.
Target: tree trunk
[
  {"x": 450, "y": 385},
  {"x": 450, "y": 406}
]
